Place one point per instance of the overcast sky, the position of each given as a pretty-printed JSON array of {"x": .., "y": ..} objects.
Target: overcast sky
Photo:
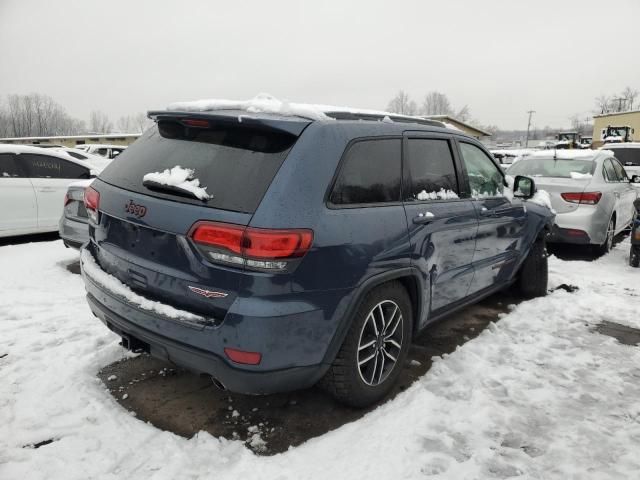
[{"x": 501, "y": 57}]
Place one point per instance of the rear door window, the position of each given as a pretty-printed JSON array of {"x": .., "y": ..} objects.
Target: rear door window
[
  {"x": 45, "y": 166},
  {"x": 9, "y": 167},
  {"x": 369, "y": 173},
  {"x": 235, "y": 163},
  {"x": 431, "y": 170}
]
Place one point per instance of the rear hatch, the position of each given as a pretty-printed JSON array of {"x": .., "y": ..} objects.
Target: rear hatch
[
  {"x": 557, "y": 186},
  {"x": 557, "y": 176},
  {"x": 143, "y": 232}
]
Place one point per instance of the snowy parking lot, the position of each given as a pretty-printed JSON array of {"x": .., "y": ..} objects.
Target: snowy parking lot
[{"x": 541, "y": 393}]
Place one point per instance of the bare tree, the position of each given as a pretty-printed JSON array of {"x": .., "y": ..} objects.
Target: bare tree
[
  {"x": 36, "y": 115},
  {"x": 581, "y": 124},
  {"x": 402, "y": 104},
  {"x": 99, "y": 122},
  {"x": 629, "y": 94},
  {"x": 603, "y": 103},
  {"x": 463, "y": 114},
  {"x": 125, "y": 124},
  {"x": 141, "y": 122},
  {"x": 436, "y": 103}
]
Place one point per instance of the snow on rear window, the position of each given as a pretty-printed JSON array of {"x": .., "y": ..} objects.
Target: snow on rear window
[{"x": 181, "y": 178}]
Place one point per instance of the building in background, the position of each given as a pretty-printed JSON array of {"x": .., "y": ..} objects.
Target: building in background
[
  {"x": 74, "y": 140},
  {"x": 451, "y": 122},
  {"x": 618, "y": 119}
]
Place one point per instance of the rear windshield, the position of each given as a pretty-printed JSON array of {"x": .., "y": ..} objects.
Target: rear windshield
[
  {"x": 629, "y": 157},
  {"x": 236, "y": 164},
  {"x": 548, "y": 167}
]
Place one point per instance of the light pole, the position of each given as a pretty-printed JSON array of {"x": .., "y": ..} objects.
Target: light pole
[{"x": 526, "y": 142}]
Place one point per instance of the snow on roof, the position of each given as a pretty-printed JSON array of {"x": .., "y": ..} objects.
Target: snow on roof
[
  {"x": 569, "y": 154},
  {"x": 513, "y": 152},
  {"x": 103, "y": 145},
  {"x": 265, "y": 103},
  {"x": 95, "y": 166},
  {"x": 621, "y": 145}
]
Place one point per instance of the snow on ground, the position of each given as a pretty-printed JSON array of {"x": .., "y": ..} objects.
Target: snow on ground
[{"x": 536, "y": 395}]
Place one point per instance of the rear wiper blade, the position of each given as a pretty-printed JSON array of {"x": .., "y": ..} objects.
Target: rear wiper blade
[{"x": 161, "y": 187}]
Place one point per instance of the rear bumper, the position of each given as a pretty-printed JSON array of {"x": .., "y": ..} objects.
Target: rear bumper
[
  {"x": 293, "y": 334},
  {"x": 73, "y": 233},
  {"x": 565, "y": 235},
  {"x": 234, "y": 379},
  {"x": 593, "y": 221}
]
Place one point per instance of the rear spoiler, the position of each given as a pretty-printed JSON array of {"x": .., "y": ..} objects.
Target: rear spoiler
[{"x": 290, "y": 125}]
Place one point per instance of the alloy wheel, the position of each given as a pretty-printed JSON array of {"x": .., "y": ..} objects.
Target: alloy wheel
[{"x": 380, "y": 342}]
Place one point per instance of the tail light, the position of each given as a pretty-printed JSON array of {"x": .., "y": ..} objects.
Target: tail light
[
  {"x": 92, "y": 203},
  {"x": 585, "y": 198},
  {"x": 66, "y": 199},
  {"x": 259, "y": 248}
]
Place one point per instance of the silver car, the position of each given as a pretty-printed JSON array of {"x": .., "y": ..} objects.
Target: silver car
[
  {"x": 590, "y": 192},
  {"x": 74, "y": 222}
]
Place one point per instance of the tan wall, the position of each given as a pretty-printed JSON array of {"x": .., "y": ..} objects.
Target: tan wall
[
  {"x": 72, "y": 142},
  {"x": 469, "y": 131},
  {"x": 631, "y": 119}
]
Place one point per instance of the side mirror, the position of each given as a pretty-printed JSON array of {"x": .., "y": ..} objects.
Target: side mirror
[
  {"x": 524, "y": 187},
  {"x": 635, "y": 179}
]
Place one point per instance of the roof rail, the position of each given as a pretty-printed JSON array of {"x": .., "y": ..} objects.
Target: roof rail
[{"x": 375, "y": 117}]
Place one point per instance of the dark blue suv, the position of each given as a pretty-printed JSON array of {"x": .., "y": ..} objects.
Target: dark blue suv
[{"x": 275, "y": 252}]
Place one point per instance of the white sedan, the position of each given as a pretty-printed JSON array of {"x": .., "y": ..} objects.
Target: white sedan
[{"x": 33, "y": 183}]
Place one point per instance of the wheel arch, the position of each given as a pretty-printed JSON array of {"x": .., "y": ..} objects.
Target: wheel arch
[{"x": 408, "y": 277}]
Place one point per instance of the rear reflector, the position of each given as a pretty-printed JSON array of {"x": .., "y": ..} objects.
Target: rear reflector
[
  {"x": 585, "y": 198},
  {"x": 194, "y": 122},
  {"x": 254, "y": 247},
  {"x": 574, "y": 232},
  {"x": 246, "y": 358},
  {"x": 92, "y": 203}
]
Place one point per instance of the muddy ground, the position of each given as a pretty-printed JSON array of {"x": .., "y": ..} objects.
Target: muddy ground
[{"x": 184, "y": 403}]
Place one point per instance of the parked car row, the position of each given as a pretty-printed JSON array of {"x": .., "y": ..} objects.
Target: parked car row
[
  {"x": 282, "y": 251},
  {"x": 590, "y": 192},
  {"x": 33, "y": 183}
]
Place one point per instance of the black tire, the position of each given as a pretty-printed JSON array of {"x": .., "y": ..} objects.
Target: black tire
[
  {"x": 634, "y": 256},
  {"x": 345, "y": 379},
  {"x": 608, "y": 241},
  {"x": 534, "y": 273}
]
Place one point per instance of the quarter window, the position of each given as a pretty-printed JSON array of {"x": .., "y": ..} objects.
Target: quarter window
[
  {"x": 431, "y": 169},
  {"x": 9, "y": 167},
  {"x": 370, "y": 173},
  {"x": 610, "y": 172},
  {"x": 622, "y": 175},
  {"x": 485, "y": 179}
]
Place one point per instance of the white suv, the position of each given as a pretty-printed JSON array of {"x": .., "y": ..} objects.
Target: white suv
[
  {"x": 628, "y": 154},
  {"x": 107, "y": 151}
]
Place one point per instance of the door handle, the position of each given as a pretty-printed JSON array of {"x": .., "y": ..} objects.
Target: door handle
[
  {"x": 46, "y": 190},
  {"x": 424, "y": 218}
]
